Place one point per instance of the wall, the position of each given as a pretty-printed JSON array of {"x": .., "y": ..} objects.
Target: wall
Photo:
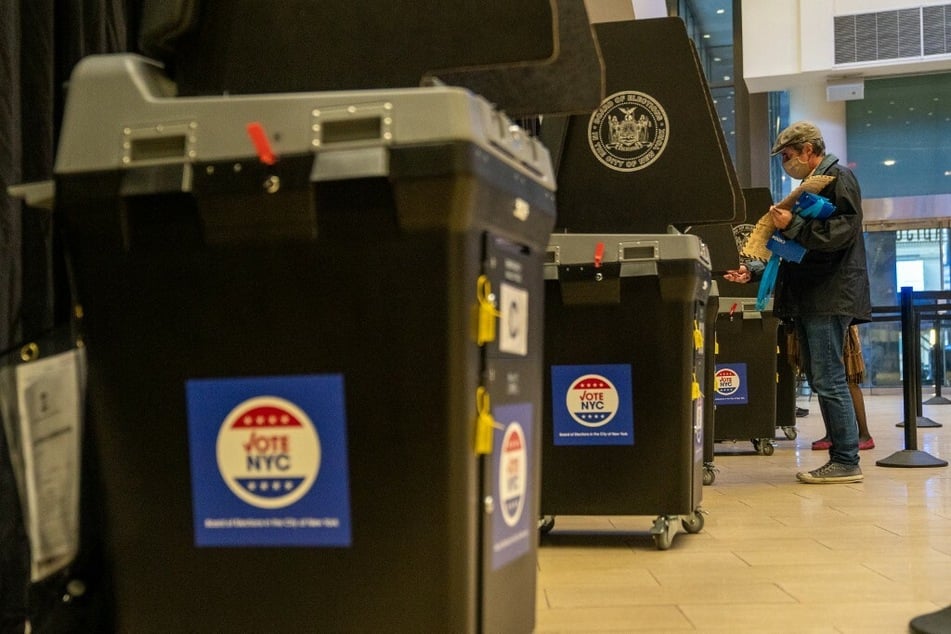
[{"x": 809, "y": 102}]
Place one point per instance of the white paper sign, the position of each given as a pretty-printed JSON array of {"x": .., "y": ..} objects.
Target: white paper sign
[{"x": 44, "y": 442}]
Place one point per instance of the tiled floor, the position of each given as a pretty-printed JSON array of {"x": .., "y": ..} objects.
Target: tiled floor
[{"x": 774, "y": 555}]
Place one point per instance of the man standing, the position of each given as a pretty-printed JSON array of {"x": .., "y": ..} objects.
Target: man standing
[{"x": 825, "y": 293}]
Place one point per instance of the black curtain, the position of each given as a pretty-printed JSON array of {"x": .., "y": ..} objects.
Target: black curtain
[{"x": 40, "y": 43}]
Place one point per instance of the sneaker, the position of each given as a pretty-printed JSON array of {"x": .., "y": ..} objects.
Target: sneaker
[
  {"x": 832, "y": 472},
  {"x": 822, "y": 443},
  {"x": 801, "y": 412},
  {"x": 867, "y": 444}
]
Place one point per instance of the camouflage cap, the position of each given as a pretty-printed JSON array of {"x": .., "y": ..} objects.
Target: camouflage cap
[{"x": 797, "y": 133}]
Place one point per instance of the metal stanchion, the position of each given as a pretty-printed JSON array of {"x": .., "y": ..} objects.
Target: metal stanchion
[
  {"x": 937, "y": 368},
  {"x": 911, "y": 456}
]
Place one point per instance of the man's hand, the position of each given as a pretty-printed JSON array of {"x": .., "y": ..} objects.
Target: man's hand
[
  {"x": 740, "y": 275},
  {"x": 781, "y": 217}
]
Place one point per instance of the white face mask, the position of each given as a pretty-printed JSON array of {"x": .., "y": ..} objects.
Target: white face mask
[{"x": 797, "y": 168}]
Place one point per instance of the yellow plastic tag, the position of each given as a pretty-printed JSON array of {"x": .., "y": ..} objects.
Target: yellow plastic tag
[
  {"x": 716, "y": 346},
  {"x": 697, "y": 336},
  {"x": 487, "y": 311},
  {"x": 695, "y": 389},
  {"x": 485, "y": 424}
]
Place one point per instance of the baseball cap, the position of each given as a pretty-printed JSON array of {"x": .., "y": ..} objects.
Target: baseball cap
[{"x": 798, "y": 132}]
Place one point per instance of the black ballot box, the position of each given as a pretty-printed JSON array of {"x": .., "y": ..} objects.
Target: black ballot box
[
  {"x": 745, "y": 374},
  {"x": 624, "y": 357},
  {"x": 314, "y": 325},
  {"x": 712, "y": 309}
]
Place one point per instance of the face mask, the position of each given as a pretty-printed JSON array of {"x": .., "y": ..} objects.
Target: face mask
[{"x": 797, "y": 168}]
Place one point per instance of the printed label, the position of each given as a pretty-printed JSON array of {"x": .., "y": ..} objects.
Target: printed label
[
  {"x": 729, "y": 382},
  {"x": 269, "y": 461},
  {"x": 592, "y": 405}
]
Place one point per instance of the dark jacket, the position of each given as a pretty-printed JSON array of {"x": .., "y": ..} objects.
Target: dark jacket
[{"x": 832, "y": 278}]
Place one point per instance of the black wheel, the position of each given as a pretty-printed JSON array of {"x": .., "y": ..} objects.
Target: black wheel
[
  {"x": 768, "y": 448},
  {"x": 756, "y": 444},
  {"x": 663, "y": 540},
  {"x": 546, "y": 523},
  {"x": 791, "y": 432},
  {"x": 709, "y": 475},
  {"x": 663, "y": 532},
  {"x": 693, "y": 523}
]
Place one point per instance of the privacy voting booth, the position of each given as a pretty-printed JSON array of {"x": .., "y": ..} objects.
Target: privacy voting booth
[{"x": 627, "y": 286}]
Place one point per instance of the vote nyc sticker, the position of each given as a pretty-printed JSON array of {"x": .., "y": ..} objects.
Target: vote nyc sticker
[
  {"x": 730, "y": 385},
  {"x": 269, "y": 461},
  {"x": 592, "y": 405}
]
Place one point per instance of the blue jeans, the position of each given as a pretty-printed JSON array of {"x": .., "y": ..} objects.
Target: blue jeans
[{"x": 821, "y": 344}]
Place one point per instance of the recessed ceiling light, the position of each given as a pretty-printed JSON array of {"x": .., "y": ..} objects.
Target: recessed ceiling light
[
  {"x": 726, "y": 78},
  {"x": 721, "y": 11},
  {"x": 706, "y": 36},
  {"x": 718, "y": 59},
  {"x": 947, "y": 172},
  {"x": 888, "y": 162}
]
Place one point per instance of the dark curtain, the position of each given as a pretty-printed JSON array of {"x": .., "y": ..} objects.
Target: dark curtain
[{"x": 40, "y": 43}]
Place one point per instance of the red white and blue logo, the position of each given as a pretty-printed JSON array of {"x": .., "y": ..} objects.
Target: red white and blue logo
[
  {"x": 513, "y": 474},
  {"x": 268, "y": 452},
  {"x": 592, "y": 404},
  {"x": 592, "y": 400}
]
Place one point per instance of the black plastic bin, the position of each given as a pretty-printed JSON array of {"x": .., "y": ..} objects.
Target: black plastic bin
[
  {"x": 712, "y": 307},
  {"x": 315, "y": 367},
  {"x": 745, "y": 376},
  {"x": 623, "y": 405}
]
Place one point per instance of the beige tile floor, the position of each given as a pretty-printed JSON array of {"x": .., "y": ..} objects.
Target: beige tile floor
[{"x": 774, "y": 555}]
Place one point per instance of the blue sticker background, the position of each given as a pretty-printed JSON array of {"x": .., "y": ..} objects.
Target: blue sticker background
[
  {"x": 321, "y": 517},
  {"x": 511, "y": 542},
  {"x": 726, "y": 391},
  {"x": 619, "y": 430}
]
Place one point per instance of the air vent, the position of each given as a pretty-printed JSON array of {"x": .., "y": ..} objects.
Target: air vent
[
  {"x": 937, "y": 30},
  {"x": 903, "y": 33}
]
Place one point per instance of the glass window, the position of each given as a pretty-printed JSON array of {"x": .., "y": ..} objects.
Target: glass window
[{"x": 778, "y": 109}]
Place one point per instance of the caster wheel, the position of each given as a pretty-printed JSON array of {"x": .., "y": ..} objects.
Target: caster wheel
[
  {"x": 757, "y": 447},
  {"x": 768, "y": 449},
  {"x": 709, "y": 475},
  {"x": 791, "y": 432},
  {"x": 693, "y": 523},
  {"x": 663, "y": 532},
  {"x": 546, "y": 523}
]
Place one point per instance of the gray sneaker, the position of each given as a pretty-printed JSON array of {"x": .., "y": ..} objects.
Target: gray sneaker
[{"x": 832, "y": 472}]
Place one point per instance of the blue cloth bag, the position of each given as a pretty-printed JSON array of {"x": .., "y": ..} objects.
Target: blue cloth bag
[{"x": 808, "y": 205}]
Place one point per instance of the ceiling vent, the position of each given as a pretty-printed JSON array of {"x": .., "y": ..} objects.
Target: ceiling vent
[{"x": 897, "y": 34}]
